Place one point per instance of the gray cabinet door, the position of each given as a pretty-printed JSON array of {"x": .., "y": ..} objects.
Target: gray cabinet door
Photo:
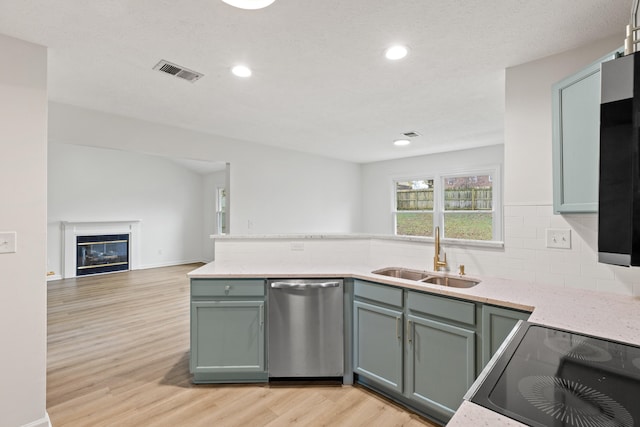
[
  {"x": 377, "y": 351},
  {"x": 227, "y": 336},
  {"x": 576, "y": 140},
  {"x": 497, "y": 323},
  {"x": 440, "y": 365}
]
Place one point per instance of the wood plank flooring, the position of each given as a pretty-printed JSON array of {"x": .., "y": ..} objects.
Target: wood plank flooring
[{"x": 118, "y": 356}]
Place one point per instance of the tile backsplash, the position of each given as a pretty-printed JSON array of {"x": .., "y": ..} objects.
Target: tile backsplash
[{"x": 577, "y": 267}]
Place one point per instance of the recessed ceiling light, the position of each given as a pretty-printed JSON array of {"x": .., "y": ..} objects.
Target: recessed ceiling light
[
  {"x": 241, "y": 71},
  {"x": 249, "y": 4},
  {"x": 401, "y": 142},
  {"x": 396, "y": 52}
]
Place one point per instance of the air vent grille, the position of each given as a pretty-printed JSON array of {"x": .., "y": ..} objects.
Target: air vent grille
[
  {"x": 411, "y": 134},
  {"x": 178, "y": 71}
]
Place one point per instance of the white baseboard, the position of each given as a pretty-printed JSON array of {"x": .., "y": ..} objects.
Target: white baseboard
[
  {"x": 42, "y": 422},
  {"x": 54, "y": 277},
  {"x": 169, "y": 264}
]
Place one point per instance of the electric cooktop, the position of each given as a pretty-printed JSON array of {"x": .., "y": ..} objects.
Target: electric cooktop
[{"x": 550, "y": 377}]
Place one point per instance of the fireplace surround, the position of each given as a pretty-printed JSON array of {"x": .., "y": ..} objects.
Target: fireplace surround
[{"x": 78, "y": 238}]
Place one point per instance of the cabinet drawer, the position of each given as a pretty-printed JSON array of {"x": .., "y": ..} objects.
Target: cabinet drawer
[
  {"x": 446, "y": 308},
  {"x": 381, "y": 293},
  {"x": 227, "y": 287}
]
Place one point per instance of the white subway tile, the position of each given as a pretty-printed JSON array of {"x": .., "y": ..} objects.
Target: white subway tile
[
  {"x": 597, "y": 271},
  {"x": 549, "y": 279},
  {"x": 537, "y": 244},
  {"x": 564, "y": 268},
  {"x": 513, "y": 242},
  {"x": 558, "y": 221},
  {"x": 614, "y": 286},
  {"x": 522, "y": 211},
  {"x": 545, "y": 210},
  {"x": 521, "y": 232},
  {"x": 537, "y": 221},
  {"x": 579, "y": 282}
]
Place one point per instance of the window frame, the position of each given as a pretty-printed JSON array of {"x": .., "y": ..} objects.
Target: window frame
[
  {"x": 395, "y": 210},
  {"x": 494, "y": 171}
]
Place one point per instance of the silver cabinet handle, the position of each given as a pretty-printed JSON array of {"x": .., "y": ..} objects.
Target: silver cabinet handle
[
  {"x": 398, "y": 327},
  {"x": 409, "y": 330},
  {"x": 283, "y": 285},
  {"x": 261, "y": 315}
]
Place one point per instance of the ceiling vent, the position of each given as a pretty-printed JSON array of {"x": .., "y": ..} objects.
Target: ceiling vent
[
  {"x": 178, "y": 71},
  {"x": 411, "y": 134}
]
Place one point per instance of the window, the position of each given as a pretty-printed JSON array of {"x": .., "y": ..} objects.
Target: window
[
  {"x": 414, "y": 207},
  {"x": 468, "y": 208},
  {"x": 221, "y": 210},
  {"x": 463, "y": 206}
]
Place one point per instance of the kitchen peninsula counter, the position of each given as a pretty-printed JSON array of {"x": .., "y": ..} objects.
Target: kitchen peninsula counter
[
  {"x": 611, "y": 316},
  {"x": 616, "y": 317}
]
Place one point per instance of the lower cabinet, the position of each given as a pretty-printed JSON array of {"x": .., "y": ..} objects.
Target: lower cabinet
[
  {"x": 420, "y": 349},
  {"x": 424, "y": 350},
  {"x": 497, "y": 323},
  {"x": 228, "y": 333},
  {"x": 378, "y": 349},
  {"x": 440, "y": 364}
]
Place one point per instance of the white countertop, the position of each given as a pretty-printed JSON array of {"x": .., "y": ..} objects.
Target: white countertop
[{"x": 607, "y": 315}]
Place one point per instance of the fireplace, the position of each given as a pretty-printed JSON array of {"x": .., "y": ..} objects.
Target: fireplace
[
  {"x": 104, "y": 253},
  {"x": 100, "y": 247}
]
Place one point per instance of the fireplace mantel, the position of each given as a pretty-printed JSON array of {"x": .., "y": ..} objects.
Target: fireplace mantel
[{"x": 72, "y": 229}]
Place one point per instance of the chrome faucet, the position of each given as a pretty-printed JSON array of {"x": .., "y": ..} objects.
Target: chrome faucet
[{"x": 436, "y": 259}]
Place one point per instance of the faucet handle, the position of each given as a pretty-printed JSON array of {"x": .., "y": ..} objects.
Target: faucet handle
[{"x": 461, "y": 270}]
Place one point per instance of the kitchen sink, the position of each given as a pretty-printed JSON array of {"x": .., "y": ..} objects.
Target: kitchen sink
[
  {"x": 426, "y": 277},
  {"x": 452, "y": 282},
  {"x": 402, "y": 273}
]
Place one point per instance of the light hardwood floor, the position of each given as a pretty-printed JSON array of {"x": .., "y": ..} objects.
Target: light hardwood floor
[{"x": 118, "y": 356}]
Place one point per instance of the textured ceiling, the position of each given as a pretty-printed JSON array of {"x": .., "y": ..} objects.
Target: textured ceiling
[{"x": 320, "y": 81}]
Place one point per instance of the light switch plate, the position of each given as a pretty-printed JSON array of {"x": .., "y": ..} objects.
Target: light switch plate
[
  {"x": 559, "y": 238},
  {"x": 8, "y": 242}
]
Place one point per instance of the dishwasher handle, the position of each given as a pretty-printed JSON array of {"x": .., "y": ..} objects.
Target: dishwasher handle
[{"x": 288, "y": 285}]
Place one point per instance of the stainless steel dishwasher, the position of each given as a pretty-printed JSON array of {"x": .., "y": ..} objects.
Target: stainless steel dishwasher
[{"x": 306, "y": 336}]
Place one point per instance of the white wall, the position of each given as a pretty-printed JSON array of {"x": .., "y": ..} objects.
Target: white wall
[
  {"x": 96, "y": 184},
  {"x": 528, "y": 184},
  {"x": 272, "y": 190},
  {"x": 23, "y": 195},
  {"x": 377, "y": 179}
]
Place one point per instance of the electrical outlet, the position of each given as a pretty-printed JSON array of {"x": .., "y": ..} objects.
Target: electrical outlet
[
  {"x": 8, "y": 242},
  {"x": 559, "y": 238}
]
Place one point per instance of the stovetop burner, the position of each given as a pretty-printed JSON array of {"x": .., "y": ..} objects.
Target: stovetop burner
[
  {"x": 573, "y": 403},
  {"x": 578, "y": 348},
  {"x": 552, "y": 378}
]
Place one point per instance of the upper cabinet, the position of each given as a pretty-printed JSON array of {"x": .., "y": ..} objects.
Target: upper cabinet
[{"x": 576, "y": 140}]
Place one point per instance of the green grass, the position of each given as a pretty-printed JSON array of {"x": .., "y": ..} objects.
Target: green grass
[
  {"x": 472, "y": 226},
  {"x": 414, "y": 224}
]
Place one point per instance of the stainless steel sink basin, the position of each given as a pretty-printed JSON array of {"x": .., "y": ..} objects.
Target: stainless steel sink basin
[
  {"x": 452, "y": 282},
  {"x": 426, "y": 277},
  {"x": 402, "y": 273}
]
